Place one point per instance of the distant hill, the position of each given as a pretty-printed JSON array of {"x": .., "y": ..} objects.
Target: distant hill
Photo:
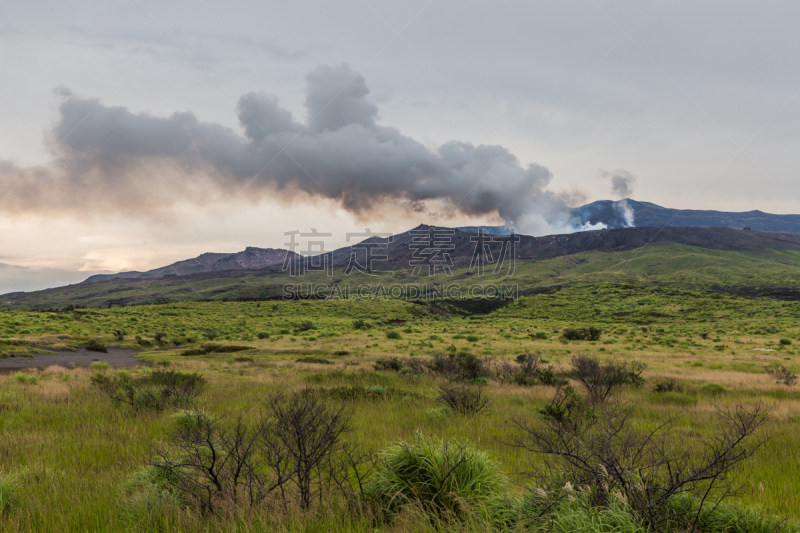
[
  {"x": 749, "y": 262},
  {"x": 249, "y": 259},
  {"x": 645, "y": 214}
]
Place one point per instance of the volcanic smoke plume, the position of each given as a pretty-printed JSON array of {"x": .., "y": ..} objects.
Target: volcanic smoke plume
[
  {"x": 622, "y": 183},
  {"x": 141, "y": 164}
]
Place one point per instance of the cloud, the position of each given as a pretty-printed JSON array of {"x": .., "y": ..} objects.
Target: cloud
[
  {"x": 622, "y": 182},
  {"x": 142, "y": 165}
]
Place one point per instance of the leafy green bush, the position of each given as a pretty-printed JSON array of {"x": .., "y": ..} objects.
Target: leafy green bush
[
  {"x": 95, "y": 346},
  {"x": 446, "y": 478},
  {"x": 582, "y": 334},
  {"x": 786, "y": 342},
  {"x": 713, "y": 389},
  {"x": 215, "y": 348},
  {"x": 141, "y": 342},
  {"x": 153, "y": 391},
  {"x": 667, "y": 385},
  {"x": 262, "y": 335},
  {"x": 462, "y": 365},
  {"x": 473, "y": 338},
  {"x": 724, "y": 518},
  {"x": 388, "y": 363},
  {"x": 314, "y": 359},
  {"x": 572, "y": 511},
  {"x": 26, "y": 379},
  {"x": 361, "y": 324},
  {"x": 305, "y": 325},
  {"x": 373, "y": 392},
  {"x": 393, "y": 335}
]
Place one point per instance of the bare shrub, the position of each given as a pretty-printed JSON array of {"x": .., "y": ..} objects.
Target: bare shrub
[
  {"x": 505, "y": 371},
  {"x": 602, "y": 379},
  {"x": 291, "y": 452},
  {"x": 214, "y": 464},
  {"x": 601, "y": 452},
  {"x": 463, "y": 399},
  {"x": 310, "y": 432},
  {"x": 528, "y": 369},
  {"x": 781, "y": 373}
]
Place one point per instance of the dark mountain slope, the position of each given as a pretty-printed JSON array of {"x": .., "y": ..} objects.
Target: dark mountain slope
[
  {"x": 249, "y": 259},
  {"x": 645, "y": 214},
  {"x": 406, "y": 249},
  {"x": 651, "y": 215}
]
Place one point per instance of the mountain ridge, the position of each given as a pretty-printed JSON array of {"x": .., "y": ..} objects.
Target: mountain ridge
[
  {"x": 248, "y": 259},
  {"x": 610, "y": 214},
  {"x": 648, "y": 214}
]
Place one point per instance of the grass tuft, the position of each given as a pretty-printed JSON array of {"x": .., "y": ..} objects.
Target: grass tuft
[{"x": 445, "y": 477}]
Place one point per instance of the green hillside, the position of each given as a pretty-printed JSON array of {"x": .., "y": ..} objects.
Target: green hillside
[{"x": 667, "y": 265}]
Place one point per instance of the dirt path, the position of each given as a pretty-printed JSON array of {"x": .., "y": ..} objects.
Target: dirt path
[{"x": 116, "y": 357}]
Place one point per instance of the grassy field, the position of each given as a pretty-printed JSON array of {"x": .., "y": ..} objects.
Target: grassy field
[{"x": 71, "y": 453}]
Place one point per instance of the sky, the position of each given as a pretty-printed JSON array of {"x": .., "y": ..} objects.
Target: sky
[{"x": 137, "y": 133}]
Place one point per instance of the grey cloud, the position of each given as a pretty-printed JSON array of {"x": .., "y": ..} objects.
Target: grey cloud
[
  {"x": 142, "y": 163},
  {"x": 336, "y": 98},
  {"x": 622, "y": 182},
  {"x": 260, "y": 116}
]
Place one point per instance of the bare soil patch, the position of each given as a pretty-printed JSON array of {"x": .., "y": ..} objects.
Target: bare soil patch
[{"x": 116, "y": 357}]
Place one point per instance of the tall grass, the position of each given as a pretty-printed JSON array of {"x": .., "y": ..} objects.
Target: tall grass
[
  {"x": 9, "y": 494},
  {"x": 441, "y": 476}
]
